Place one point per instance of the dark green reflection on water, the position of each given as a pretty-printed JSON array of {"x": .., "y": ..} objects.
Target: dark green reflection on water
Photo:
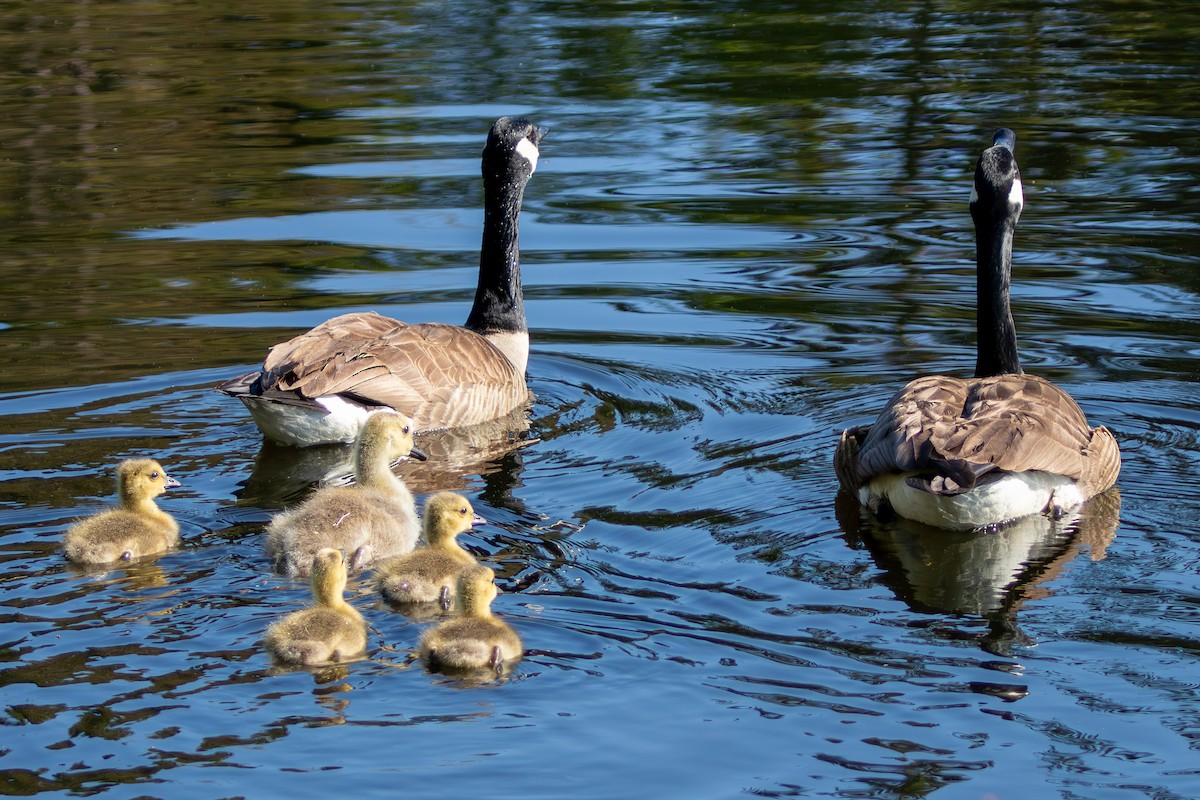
[{"x": 748, "y": 228}]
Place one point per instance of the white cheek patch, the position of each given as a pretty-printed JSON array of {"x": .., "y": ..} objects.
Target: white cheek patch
[
  {"x": 528, "y": 150},
  {"x": 1016, "y": 200},
  {"x": 1016, "y": 196}
]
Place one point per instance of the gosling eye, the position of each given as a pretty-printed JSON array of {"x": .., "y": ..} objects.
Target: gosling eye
[
  {"x": 407, "y": 429},
  {"x": 154, "y": 475},
  {"x": 463, "y": 511}
]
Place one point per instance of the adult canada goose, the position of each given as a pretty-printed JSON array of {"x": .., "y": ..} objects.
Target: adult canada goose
[
  {"x": 318, "y": 387},
  {"x": 478, "y": 639},
  {"x": 137, "y": 528},
  {"x": 375, "y": 518},
  {"x": 330, "y": 630},
  {"x": 427, "y": 574},
  {"x": 963, "y": 454}
]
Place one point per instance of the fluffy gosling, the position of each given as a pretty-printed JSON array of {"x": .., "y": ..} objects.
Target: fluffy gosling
[
  {"x": 373, "y": 519},
  {"x": 138, "y": 528},
  {"x": 478, "y": 639},
  {"x": 428, "y": 574},
  {"x": 329, "y": 630}
]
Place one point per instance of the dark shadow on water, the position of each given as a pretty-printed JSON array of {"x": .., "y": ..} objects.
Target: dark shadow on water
[{"x": 989, "y": 574}]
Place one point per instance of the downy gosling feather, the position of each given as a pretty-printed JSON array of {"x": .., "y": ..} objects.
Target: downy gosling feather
[{"x": 138, "y": 528}]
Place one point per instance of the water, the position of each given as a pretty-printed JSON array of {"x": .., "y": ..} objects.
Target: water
[{"x": 747, "y": 229}]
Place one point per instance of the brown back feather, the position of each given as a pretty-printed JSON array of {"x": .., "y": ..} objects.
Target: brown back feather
[
  {"x": 442, "y": 376},
  {"x": 963, "y": 428}
]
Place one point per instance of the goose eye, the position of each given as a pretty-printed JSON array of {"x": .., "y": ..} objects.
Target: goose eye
[{"x": 154, "y": 474}]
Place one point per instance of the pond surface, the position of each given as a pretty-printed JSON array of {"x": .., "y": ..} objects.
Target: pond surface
[{"x": 747, "y": 229}]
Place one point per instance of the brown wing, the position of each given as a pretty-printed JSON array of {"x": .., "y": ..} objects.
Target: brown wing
[
  {"x": 960, "y": 430},
  {"x": 441, "y": 375}
]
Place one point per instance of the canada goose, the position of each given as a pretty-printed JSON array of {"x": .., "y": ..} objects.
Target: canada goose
[
  {"x": 427, "y": 574},
  {"x": 318, "y": 387},
  {"x": 964, "y": 454},
  {"x": 373, "y": 519},
  {"x": 478, "y": 639},
  {"x": 330, "y": 630},
  {"x": 137, "y": 528}
]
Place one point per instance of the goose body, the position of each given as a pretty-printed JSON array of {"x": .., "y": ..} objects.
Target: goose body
[
  {"x": 477, "y": 640},
  {"x": 138, "y": 528},
  {"x": 320, "y": 386},
  {"x": 375, "y": 518},
  {"x": 428, "y": 574},
  {"x": 331, "y": 629},
  {"x": 967, "y": 453}
]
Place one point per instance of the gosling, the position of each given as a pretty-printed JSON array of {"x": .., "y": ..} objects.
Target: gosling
[
  {"x": 373, "y": 519},
  {"x": 477, "y": 640},
  {"x": 138, "y": 528},
  {"x": 330, "y": 630},
  {"x": 427, "y": 574}
]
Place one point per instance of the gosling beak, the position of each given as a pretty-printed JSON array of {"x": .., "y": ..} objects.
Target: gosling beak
[
  {"x": 170, "y": 482},
  {"x": 417, "y": 454},
  {"x": 477, "y": 521}
]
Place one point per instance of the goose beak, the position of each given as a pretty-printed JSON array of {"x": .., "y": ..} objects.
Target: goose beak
[
  {"x": 537, "y": 136},
  {"x": 477, "y": 521},
  {"x": 170, "y": 482},
  {"x": 417, "y": 454},
  {"x": 1005, "y": 138}
]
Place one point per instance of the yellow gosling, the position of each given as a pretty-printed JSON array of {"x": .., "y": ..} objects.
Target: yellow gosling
[
  {"x": 138, "y": 528},
  {"x": 428, "y": 574},
  {"x": 376, "y": 518},
  {"x": 331, "y": 629},
  {"x": 478, "y": 639}
]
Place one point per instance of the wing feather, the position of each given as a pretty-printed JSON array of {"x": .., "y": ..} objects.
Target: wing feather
[
  {"x": 958, "y": 431},
  {"x": 442, "y": 376}
]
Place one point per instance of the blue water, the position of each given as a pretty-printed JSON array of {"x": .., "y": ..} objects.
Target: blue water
[{"x": 748, "y": 227}]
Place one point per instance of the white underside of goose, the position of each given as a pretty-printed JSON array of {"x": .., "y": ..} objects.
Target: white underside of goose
[
  {"x": 1015, "y": 495},
  {"x": 329, "y": 419},
  {"x": 514, "y": 345}
]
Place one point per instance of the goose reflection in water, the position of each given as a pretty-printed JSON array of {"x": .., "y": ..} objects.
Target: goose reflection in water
[
  {"x": 985, "y": 572},
  {"x": 282, "y": 475}
]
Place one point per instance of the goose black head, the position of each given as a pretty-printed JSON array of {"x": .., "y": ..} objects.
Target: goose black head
[
  {"x": 996, "y": 203},
  {"x": 997, "y": 193},
  {"x": 511, "y": 152}
]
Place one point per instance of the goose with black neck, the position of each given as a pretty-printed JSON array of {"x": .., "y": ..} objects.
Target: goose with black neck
[
  {"x": 963, "y": 454},
  {"x": 320, "y": 386}
]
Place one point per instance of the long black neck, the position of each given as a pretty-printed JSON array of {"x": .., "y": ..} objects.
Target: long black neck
[
  {"x": 499, "y": 305},
  {"x": 996, "y": 333}
]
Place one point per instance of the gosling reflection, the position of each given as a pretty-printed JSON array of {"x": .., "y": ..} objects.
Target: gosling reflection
[
  {"x": 132, "y": 578},
  {"x": 988, "y": 573}
]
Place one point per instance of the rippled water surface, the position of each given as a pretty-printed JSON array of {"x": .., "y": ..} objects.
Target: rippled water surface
[{"x": 747, "y": 229}]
